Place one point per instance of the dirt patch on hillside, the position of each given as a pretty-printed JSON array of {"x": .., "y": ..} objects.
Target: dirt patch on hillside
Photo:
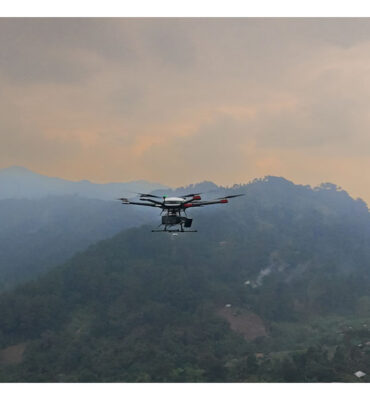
[
  {"x": 12, "y": 354},
  {"x": 248, "y": 324}
]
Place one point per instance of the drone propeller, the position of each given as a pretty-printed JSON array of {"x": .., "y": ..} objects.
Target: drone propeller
[{"x": 231, "y": 196}]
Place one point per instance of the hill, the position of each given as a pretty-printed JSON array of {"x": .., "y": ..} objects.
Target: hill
[
  {"x": 274, "y": 287},
  {"x": 38, "y": 234},
  {"x": 21, "y": 183}
]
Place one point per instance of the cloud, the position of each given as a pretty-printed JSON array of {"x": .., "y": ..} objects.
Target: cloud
[
  {"x": 182, "y": 100},
  {"x": 210, "y": 151}
]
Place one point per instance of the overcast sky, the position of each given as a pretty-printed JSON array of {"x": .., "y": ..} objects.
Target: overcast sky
[{"x": 179, "y": 101}]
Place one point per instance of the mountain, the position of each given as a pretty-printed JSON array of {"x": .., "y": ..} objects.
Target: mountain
[
  {"x": 274, "y": 287},
  {"x": 21, "y": 183},
  {"x": 44, "y": 220},
  {"x": 38, "y": 234}
]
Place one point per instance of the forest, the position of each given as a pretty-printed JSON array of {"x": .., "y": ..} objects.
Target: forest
[{"x": 274, "y": 287}]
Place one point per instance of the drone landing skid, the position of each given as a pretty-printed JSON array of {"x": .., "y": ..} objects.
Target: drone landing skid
[{"x": 171, "y": 230}]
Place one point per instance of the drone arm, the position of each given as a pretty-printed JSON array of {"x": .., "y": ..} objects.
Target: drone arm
[
  {"x": 220, "y": 200},
  {"x": 159, "y": 203},
  {"x": 190, "y": 195},
  {"x": 204, "y": 203},
  {"x": 126, "y": 201},
  {"x": 195, "y": 203}
]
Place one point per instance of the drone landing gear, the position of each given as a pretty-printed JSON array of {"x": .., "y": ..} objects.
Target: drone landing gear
[
  {"x": 171, "y": 230},
  {"x": 174, "y": 218}
]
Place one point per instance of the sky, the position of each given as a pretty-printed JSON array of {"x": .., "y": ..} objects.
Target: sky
[{"x": 179, "y": 101}]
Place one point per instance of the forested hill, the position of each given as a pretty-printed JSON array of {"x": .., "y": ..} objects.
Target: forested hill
[
  {"x": 201, "y": 307},
  {"x": 38, "y": 234}
]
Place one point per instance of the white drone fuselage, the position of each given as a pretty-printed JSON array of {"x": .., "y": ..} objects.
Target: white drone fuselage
[{"x": 174, "y": 201}]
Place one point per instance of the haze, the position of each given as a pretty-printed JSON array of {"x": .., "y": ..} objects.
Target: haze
[{"x": 179, "y": 101}]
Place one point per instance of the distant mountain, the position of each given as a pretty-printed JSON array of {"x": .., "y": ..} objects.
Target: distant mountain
[
  {"x": 206, "y": 188},
  {"x": 262, "y": 292},
  {"x": 21, "y": 183},
  {"x": 38, "y": 234}
]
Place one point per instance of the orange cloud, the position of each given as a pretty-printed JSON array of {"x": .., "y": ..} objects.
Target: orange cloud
[{"x": 183, "y": 100}]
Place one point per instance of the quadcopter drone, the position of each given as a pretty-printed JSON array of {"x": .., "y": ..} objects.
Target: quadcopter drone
[{"x": 174, "y": 208}]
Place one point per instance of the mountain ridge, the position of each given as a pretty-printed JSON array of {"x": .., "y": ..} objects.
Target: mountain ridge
[
  {"x": 20, "y": 182},
  {"x": 146, "y": 307}
]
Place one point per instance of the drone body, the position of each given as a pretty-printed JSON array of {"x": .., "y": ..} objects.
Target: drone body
[{"x": 174, "y": 208}]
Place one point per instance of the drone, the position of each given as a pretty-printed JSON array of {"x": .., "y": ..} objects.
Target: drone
[{"x": 174, "y": 208}]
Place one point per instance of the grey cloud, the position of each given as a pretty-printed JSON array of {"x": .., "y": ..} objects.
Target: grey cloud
[
  {"x": 38, "y": 149},
  {"x": 309, "y": 126},
  {"x": 55, "y": 49},
  {"x": 37, "y": 49},
  {"x": 213, "y": 150},
  {"x": 172, "y": 43},
  {"x": 117, "y": 85}
]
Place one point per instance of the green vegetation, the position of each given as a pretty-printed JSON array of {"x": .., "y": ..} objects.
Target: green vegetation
[
  {"x": 144, "y": 307},
  {"x": 37, "y": 235}
]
